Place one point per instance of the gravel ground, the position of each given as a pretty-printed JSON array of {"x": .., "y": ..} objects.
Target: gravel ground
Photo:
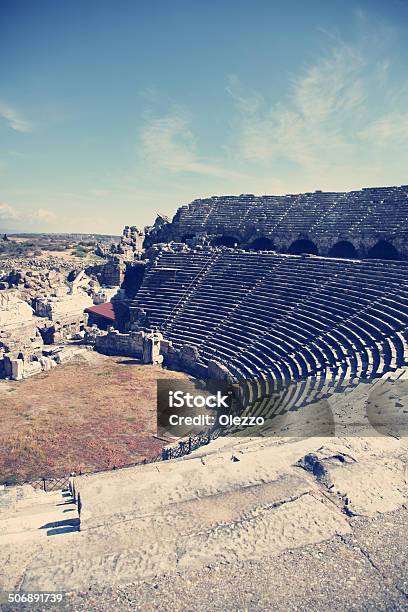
[{"x": 366, "y": 570}]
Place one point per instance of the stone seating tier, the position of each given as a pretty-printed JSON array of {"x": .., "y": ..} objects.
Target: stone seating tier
[
  {"x": 282, "y": 318},
  {"x": 368, "y": 213}
]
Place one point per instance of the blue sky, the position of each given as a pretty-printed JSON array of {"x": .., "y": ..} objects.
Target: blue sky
[{"x": 113, "y": 111}]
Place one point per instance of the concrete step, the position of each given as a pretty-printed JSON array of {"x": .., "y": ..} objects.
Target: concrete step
[{"x": 27, "y": 515}]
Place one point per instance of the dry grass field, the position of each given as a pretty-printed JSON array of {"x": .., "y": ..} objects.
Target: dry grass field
[{"x": 88, "y": 414}]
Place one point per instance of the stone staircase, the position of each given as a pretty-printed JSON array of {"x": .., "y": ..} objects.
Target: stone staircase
[{"x": 30, "y": 514}]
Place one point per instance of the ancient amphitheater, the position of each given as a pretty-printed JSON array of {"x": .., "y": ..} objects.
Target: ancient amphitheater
[
  {"x": 273, "y": 320},
  {"x": 301, "y": 303},
  {"x": 281, "y": 324}
]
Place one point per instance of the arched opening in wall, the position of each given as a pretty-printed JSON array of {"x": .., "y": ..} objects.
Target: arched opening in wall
[
  {"x": 303, "y": 246},
  {"x": 343, "y": 248},
  {"x": 187, "y": 237},
  {"x": 262, "y": 244},
  {"x": 383, "y": 250},
  {"x": 133, "y": 279},
  {"x": 228, "y": 241}
]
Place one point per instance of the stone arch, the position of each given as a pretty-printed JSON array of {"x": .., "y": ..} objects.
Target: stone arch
[
  {"x": 303, "y": 246},
  {"x": 187, "y": 237},
  {"x": 262, "y": 244},
  {"x": 383, "y": 250},
  {"x": 343, "y": 248},
  {"x": 133, "y": 279},
  {"x": 227, "y": 241}
]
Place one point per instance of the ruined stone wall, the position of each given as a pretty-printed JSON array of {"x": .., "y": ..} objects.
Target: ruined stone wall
[
  {"x": 65, "y": 306},
  {"x": 65, "y": 316},
  {"x": 23, "y": 331},
  {"x": 19, "y": 333},
  {"x": 362, "y": 218},
  {"x": 19, "y": 369},
  {"x": 112, "y": 273},
  {"x": 129, "y": 247},
  {"x": 46, "y": 307},
  {"x": 115, "y": 343},
  {"x": 151, "y": 347},
  {"x": 65, "y": 328}
]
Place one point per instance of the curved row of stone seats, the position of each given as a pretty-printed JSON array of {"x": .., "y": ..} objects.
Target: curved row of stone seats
[
  {"x": 169, "y": 281},
  {"x": 266, "y": 401},
  {"x": 379, "y": 359},
  {"x": 213, "y": 299},
  {"x": 323, "y": 352},
  {"x": 369, "y": 210},
  {"x": 290, "y": 397},
  {"x": 284, "y": 296},
  {"x": 279, "y": 318}
]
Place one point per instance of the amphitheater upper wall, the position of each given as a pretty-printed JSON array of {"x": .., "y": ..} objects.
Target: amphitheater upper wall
[{"x": 361, "y": 218}]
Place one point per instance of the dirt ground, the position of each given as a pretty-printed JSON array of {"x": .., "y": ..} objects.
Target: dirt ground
[
  {"x": 85, "y": 415},
  {"x": 64, "y": 255},
  {"x": 365, "y": 570}
]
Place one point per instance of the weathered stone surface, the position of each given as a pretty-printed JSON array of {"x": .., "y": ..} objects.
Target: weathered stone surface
[
  {"x": 327, "y": 219},
  {"x": 116, "y": 343},
  {"x": 130, "y": 245},
  {"x": 54, "y": 308},
  {"x": 151, "y": 348},
  {"x": 218, "y": 371}
]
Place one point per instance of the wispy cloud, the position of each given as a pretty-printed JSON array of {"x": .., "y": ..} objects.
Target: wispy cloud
[
  {"x": 8, "y": 212},
  {"x": 323, "y": 105},
  {"x": 341, "y": 115},
  {"x": 387, "y": 130},
  {"x": 14, "y": 119},
  {"x": 168, "y": 143},
  {"x": 40, "y": 215},
  {"x": 246, "y": 103}
]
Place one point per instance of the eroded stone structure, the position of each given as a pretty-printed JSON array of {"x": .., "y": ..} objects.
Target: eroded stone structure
[
  {"x": 32, "y": 283},
  {"x": 25, "y": 332},
  {"x": 66, "y": 316},
  {"x": 370, "y": 223},
  {"x": 151, "y": 348},
  {"x": 129, "y": 247},
  {"x": 112, "y": 273},
  {"x": 20, "y": 337},
  {"x": 144, "y": 345},
  {"x": 119, "y": 257},
  {"x": 255, "y": 316},
  {"x": 42, "y": 308}
]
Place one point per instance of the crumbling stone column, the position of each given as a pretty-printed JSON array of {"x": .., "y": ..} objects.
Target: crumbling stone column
[
  {"x": 17, "y": 369},
  {"x": 151, "y": 348}
]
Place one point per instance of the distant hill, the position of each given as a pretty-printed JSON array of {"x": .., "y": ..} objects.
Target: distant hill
[
  {"x": 73, "y": 236},
  {"x": 8, "y": 231}
]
